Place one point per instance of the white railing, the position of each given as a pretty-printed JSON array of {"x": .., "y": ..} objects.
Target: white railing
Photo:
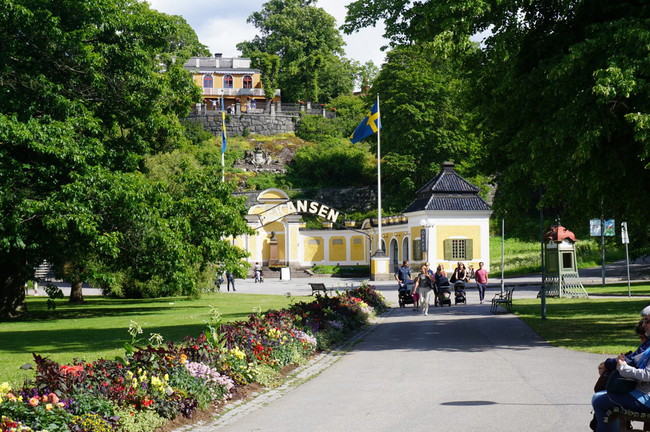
[{"x": 235, "y": 92}]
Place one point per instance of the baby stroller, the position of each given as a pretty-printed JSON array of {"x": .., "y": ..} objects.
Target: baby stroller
[
  {"x": 404, "y": 293},
  {"x": 444, "y": 292},
  {"x": 459, "y": 292}
]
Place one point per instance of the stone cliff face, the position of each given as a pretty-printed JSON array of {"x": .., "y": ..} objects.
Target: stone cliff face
[{"x": 239, "y": 124}]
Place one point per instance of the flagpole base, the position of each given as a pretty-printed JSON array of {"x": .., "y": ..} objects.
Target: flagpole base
[{"x": 379, "y": 266}]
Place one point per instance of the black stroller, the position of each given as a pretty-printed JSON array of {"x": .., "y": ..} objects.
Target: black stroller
[
  {"x": 460, "y": 295},
  {"x": 404, "y": 293},
  {"x": 443, "y": 296}
]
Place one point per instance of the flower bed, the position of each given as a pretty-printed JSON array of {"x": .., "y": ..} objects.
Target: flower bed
[{"x": 156, "y": 382}]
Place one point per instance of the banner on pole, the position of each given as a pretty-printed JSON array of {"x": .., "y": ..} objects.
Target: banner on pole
[
  {"x": 610, "y": 228},
  {"x": 594, "y": 227}
]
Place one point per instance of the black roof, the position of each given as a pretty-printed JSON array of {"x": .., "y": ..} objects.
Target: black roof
[{"x": 448, "y": 191}]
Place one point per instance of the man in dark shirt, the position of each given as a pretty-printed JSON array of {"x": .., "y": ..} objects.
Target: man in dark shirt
[{"x": 403, "y": 273}]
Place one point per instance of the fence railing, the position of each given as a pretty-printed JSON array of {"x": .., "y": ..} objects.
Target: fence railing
[{"x": 284, "y": 108}]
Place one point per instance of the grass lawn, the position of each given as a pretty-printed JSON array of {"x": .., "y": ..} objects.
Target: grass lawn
[
  {"x": 619, "y": 289},
  {"x": 523, "y": 257},
  {"x": 597, "y": 325},
  {"x": 98, "y": 328}
]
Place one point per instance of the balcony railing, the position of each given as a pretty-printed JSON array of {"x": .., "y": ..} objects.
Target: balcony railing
[{"x": 236, "y": 92}]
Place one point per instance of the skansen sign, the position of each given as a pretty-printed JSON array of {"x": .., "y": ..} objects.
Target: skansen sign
[{"x": 299, "y": 206}]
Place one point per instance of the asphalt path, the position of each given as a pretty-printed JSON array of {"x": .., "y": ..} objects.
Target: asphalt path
[{"x": 460, "y": 368}]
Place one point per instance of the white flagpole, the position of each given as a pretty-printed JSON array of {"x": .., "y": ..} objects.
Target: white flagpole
[
  {"x": 379, "y": 175},
  {"x": 223, "y": 158}
]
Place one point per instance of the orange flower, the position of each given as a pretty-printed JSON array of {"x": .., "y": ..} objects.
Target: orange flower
[
  {"x": 54, "y": 398},
  {"x": 33, "y": 401}
]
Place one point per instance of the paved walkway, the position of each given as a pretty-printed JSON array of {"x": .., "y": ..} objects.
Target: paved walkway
[{"x": 458, "y": 369}]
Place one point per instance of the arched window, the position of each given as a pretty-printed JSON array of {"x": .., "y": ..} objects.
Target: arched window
[
  {"x": 248, "y": 82},
  {"x": 227, "y": 81},
  {"x": 207, "y": 81}
]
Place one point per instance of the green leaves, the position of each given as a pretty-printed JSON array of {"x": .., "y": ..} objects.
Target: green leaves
[
  {"x": 299, "y": 50},
  {"x": 87, "y": 91}
]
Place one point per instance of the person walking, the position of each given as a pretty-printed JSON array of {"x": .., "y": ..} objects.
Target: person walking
[
  {"x": 424, "y": 287},
  {"x": 481, "y": 277},
  {"x": 231, "y": 280},
  {"x": 403, "y": 273},
  {"x": 258, "y": 272}
]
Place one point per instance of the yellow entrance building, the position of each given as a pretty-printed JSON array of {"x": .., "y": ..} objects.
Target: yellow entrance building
[{"x": 447, "y": 222}]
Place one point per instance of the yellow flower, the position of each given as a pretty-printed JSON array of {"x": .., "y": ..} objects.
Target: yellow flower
[{"x": 48, "y": 407}]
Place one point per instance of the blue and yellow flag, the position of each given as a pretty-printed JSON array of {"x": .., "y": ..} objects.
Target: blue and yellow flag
[
  {"x": 370, "y": 125},
  {"x": 223, "y": 128}
]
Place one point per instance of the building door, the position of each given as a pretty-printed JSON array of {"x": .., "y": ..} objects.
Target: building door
[{"x": 394, "y": 251}]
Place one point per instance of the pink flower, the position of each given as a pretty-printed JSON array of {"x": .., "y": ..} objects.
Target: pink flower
[
  {"x": 54, "y": 398},
  {"x": 33, "y": 401}
]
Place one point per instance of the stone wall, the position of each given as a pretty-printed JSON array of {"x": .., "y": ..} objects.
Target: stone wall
[{"x": 262, "y": 124}]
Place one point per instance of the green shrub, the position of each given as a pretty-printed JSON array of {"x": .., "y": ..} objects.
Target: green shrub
[{"x": 139, "y": 421}]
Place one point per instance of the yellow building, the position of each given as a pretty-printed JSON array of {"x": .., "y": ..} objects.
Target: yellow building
[
  {"x": 447, "y": 222},
  {"x": 230, "y": 78}
]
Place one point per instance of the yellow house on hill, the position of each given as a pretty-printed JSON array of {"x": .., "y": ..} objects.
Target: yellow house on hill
[
  {"x": 447, "y": 222},
  {"x": 231, "y": 78}
]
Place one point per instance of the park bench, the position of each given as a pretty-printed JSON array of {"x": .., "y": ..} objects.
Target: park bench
[
  {"x": 628, "y": 416},
  {"x": 317, "y": 288},
  {"x": 504, "y": 300}
]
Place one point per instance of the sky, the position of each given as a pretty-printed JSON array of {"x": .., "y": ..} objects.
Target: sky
[{"x": 221, "y": 25}]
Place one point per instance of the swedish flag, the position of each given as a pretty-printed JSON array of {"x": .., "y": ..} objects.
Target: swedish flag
[
  {"x": 223, "y": 128},
  {"x": 370, "y": 125}
]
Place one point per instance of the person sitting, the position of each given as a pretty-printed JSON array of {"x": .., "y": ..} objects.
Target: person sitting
[
  {"x": 635, "y": 365},
  {"x": 636, "y": 400}
]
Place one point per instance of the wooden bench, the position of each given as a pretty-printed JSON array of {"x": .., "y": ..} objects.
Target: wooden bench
[
  {"x": 628, "y": 416},
  {"x": 504, "y": 300},
  {"x": 317, "y": 288}
]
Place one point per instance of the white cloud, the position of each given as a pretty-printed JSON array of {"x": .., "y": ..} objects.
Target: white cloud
[{"x": 221, "y": 25}]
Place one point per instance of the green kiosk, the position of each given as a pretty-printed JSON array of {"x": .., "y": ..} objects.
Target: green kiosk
[{"x": 561, "y": 272}]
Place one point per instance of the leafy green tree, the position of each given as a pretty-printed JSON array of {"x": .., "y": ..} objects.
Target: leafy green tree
[
  {"x": 424, "y": 115},
  {"x": 309, "y": 46},
  {"x": 334, "y": 163},
  {"x": 87, "y": 89},
  {"x": 269, "y": 66},
  {"x": 562, "y": 94}
]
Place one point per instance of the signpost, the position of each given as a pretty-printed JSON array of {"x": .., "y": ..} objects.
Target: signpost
[
  {"x": 625, "y": 239},
  {"x": 601, "y": 228}
]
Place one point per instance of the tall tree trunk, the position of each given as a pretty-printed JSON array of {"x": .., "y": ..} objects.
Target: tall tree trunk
[
  {"x": 13, "y": 276},
  {"x": 76, "y": 292}
]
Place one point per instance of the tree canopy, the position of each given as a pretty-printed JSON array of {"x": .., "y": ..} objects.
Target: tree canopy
[
  {"x": 88, "y": 89},
  {"x": 309, "y": 47},
  {"x": 424, "y": 113},
  {"x": 562, "y": 94}
]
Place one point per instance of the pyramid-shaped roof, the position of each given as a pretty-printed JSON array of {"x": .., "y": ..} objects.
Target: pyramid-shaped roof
[{"x": 448, "y": 191}]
